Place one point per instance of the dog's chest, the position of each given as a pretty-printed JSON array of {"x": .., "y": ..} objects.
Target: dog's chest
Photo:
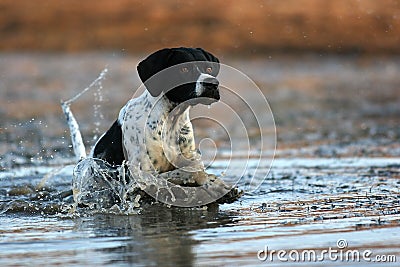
[{"x": 152, "y": 137}]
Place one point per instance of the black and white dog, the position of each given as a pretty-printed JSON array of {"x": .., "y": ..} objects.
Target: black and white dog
[
  {"x": 153, "y": 139},
  {"x": 153, "y": 131}
]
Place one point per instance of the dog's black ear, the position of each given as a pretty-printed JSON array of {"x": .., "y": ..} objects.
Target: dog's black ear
[
  {"x": 153, "y": 64},
  {"x": 211, "y": 58}
]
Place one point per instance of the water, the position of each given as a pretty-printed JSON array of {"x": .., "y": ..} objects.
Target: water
[
  {"x": 335, "y": 177},
  {"x": 303, "y": 204}
]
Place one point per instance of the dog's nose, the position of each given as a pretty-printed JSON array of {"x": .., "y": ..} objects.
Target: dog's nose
[{"x": 210, "y": 83}]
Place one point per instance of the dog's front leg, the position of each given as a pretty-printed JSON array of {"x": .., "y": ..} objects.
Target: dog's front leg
[
  {"x": 197, "y": 178},
  {"x": 185, "y": 178}
]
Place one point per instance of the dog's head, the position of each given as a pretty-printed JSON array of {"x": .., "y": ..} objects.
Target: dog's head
[{"x": 182, "y": 74}]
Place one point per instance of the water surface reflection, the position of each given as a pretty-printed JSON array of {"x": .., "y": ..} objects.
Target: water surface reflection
[{"x": 157, "y": 237}]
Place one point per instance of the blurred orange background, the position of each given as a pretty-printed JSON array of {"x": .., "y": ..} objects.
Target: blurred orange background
[
  {"x": 222, "y": 26},
  {"x": 339, "y": 83}
]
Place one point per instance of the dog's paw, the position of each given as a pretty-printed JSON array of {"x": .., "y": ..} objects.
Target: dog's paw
[
  {"x": 230, "y": 197},
  {"x": 226, "y": 193}
]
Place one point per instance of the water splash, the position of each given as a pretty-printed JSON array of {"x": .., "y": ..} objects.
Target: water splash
[
  {"x": 98, "y": 115},
  {"x": 96, "y": 81},
  {"x": 77, "y": 141},
  {"x": 126, "y": 188},
  {"x": 99, "y": 186}
]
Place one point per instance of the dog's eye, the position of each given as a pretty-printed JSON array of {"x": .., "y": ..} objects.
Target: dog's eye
[
  {"x": 184, "y": 69},
  {"x": 209, "y": 70}
]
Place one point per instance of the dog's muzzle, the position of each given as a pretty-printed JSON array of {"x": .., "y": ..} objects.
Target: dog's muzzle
[{"x": 210, "y": 89}]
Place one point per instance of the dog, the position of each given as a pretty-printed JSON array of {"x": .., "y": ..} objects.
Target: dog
[
  {"x": 153, "y": 131},
  {"x": 151, "y": 146}
]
